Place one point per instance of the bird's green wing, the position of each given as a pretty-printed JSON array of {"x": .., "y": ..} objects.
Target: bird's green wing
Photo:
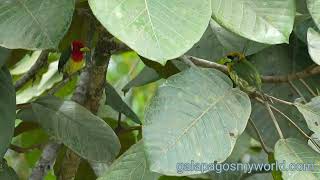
[
  {"x": 247, "y": 72},
  {"x": 64, "y": 57}
]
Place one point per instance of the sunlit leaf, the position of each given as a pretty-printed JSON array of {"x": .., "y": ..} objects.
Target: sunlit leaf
[
  {"x": 257, "y": 20},
  {"x": 25, "y": 63},
  {"x": 157, "y": 30},
  {"x": 314, "y": 9},
  {"x": 314, "y": 45},
  {"x": 296, "y": 151},
  {"x": 311, "y": 113},
  {"x": 196, "y": 113}
]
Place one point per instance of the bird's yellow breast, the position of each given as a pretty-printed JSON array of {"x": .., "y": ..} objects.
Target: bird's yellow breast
[{"x": 74, "y": 66}]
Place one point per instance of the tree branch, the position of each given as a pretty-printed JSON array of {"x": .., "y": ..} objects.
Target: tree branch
[
  {"x": 41, "y": 62},
  {"x": 45, "y": 162},
  {"x": 88, "y": 93},
  {"x": 310, "y": 71}
]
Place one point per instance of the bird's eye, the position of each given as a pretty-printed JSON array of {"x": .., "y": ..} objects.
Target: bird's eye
[{"x": 231, "y": 57}]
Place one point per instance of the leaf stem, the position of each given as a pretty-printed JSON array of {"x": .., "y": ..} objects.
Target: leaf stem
[
  {"x": 308, "y": 87},
  {"x": 266, "y": 103},
  {"x": 279, "y": 100},
  {"x": 263, "y": 145},
  {"x": 295, "y": 88}
]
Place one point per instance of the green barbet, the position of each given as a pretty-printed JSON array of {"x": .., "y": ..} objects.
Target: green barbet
[{"x": 243, "y": 73}]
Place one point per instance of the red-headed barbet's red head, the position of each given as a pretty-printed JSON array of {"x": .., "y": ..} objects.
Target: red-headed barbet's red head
[{"x": 76, "y": 54}]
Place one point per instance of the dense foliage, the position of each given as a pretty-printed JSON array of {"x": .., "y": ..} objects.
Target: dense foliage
[{"x": 160, "y": 89}]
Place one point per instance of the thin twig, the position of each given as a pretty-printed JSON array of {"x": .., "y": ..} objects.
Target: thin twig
[
  {"x": 23, "y": 106},
  {"x": 279, "y": 100},
  {"x": 188, "y": 61},
  {"x": 263, "y": 145},
  {"x": 19, "y": 149},
  {"x": 290, "y": 120},
  {"x": 295, "y": 88},
  {"x": 41, "y": 62},
  {"x": 310, "y": 71},
  {"x": 266, "y": 103},
  {"x": 207, "y": 64},
  {"x": 308, "y": 87},
  {"x": 296, "y": 126}
]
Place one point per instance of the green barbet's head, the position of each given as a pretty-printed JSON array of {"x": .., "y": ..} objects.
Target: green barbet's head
[{"x": 236, "y": 56}]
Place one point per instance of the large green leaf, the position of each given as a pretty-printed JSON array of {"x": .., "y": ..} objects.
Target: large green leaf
[
  {"x": 217, "y": 42},
  {"x": 34, "y": 24},
  {"x": 311, "y": 113},
  {"x": 76, "y": 127},
  {"x": 114, "y": 100},
  {"x": 314, "y": 9},
  {"x": 131, "y": 165},
  {"x": 296, "y": 151},
  {"x": 7, "y": 109},
  {"x": 157, "y": 30},
  {"x": 258, "y": 20},
  {"x": 195, "y": 115},
  {"x": 232, "y": 42},
  {"x": 314, "y": 45}
]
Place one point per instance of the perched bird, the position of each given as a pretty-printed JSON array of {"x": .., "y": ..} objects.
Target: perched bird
[
  {"x": 243, "y": 73},
  {"x": 72, "y": 59}
]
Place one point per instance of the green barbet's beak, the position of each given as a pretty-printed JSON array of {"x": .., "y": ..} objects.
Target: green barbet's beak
[{"x": 85, "y": 49}]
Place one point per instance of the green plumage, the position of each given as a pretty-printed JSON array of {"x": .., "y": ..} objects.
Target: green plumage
[
  {"x": 64, "y": 58},
  {"x": 243, "y": 73}
]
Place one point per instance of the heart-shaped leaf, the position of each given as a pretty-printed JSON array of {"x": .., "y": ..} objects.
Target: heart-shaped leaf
[
  {"x": 195, "y": 115},
  {"x": 157, "y": 30}
]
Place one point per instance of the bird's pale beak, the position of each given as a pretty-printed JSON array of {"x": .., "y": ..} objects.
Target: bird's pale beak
[{"x": 85, "y": 49}]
